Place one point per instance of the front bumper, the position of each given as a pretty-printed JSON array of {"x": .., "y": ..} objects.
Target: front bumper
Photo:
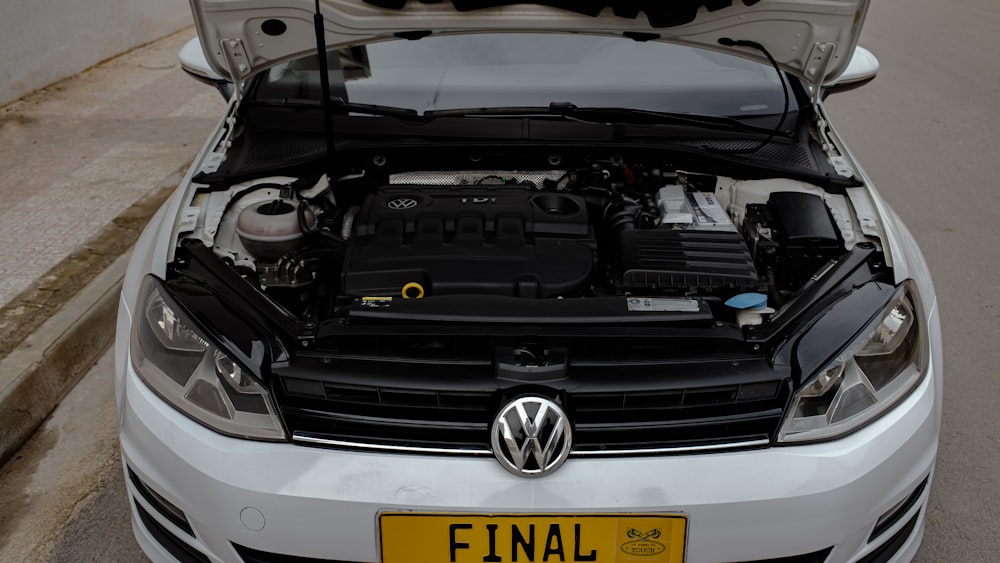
[{"x": 293, "y": 500}]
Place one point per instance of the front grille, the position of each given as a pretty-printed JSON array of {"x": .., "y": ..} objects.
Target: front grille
[
  {"x": 386, "y": 415},
  {"x": 452, "y": 412},
  {"x": 685, "y": 418}
]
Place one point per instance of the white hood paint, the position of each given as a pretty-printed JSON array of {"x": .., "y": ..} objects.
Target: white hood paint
[{"x": 812, "y": 39}]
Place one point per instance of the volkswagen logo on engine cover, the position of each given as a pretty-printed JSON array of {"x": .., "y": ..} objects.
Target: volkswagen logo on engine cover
[
  {"x": 531, "y": 437},
  {"x": 402, "y": 203}
]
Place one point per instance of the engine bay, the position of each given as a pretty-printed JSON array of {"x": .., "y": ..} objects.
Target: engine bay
[{"x": 611, "y": 227}]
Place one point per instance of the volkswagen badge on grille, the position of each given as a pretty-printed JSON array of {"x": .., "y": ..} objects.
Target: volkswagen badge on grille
[
  {"x": 531, "y": 437},
  {"x": 402, "y": 203}
]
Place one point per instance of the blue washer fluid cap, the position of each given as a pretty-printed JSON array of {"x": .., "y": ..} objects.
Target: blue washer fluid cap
[{"x": 748, "y": 301}]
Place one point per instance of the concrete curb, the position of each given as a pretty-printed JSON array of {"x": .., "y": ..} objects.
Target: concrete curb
[{"x": 36, "y": 376}]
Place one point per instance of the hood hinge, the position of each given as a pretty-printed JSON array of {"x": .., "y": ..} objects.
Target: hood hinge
[
  {"x": 239, "y": 67},
  {"x": 824, "y": 136},
  {"x": 817, "y": 65},
  {"x": 237, "y": 61}
]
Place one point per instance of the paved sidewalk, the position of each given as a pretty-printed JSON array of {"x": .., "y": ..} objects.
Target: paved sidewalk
[
  {"x": 85, "y": 163},
  {"x": 63, "y": 493},
  {"x": 79, "y": 153}
]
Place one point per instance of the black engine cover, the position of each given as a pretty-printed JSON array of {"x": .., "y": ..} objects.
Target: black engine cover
[
  {"x": 687, "y": 261},
  {"x": 497, "y": 240}
]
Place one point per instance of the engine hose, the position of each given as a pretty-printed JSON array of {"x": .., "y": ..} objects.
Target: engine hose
[{"x": 315, "y": 231}]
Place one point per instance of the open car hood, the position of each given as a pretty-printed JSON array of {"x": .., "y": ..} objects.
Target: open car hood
[{"x": 812, "y": 39}]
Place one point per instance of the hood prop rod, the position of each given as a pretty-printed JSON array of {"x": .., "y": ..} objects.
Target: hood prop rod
[{"x": 324, "y": 78}]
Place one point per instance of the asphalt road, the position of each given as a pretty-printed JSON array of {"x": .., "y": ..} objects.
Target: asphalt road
[{"x": 926, "y": 133}]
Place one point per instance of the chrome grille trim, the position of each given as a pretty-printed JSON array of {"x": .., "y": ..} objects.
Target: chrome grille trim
[
  {"x": 308, "y": 438},
  {"x": 746, "y": 444}
]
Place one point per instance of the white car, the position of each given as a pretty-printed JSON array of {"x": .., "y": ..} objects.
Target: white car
[{"x": 507, "y": 281}]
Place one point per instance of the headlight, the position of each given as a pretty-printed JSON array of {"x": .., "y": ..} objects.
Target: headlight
[
  {"x": 874, "y": 373},
  {"x": 191, "y": 373}
]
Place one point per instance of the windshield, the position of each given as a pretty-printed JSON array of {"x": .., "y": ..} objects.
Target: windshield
[{"x": 533, "y": 70}]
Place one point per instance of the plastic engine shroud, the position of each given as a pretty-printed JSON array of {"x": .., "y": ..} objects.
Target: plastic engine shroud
[{"x": 495, "y": 240}]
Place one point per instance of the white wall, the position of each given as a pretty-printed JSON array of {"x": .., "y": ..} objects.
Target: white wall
[{"x": 44, "y": 41}]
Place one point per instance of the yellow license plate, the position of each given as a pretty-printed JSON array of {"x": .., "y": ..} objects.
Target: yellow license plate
[{"x": 414, "y": 537}]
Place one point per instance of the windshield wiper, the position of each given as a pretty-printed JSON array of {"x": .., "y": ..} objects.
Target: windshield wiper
[
  {"x": 339, "y": 106},
  {"x": 566, "y": 110},
  {"x": 599, "y": 115},
  {"x": 372, "y": 109}
]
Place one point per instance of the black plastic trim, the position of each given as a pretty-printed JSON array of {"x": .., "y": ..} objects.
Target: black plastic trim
[
  {"x": 204, "y": 275},
  {"x": 889, "y": 549},
  {"x": 158, "y": 502},
  {"x": 897, "y": 515},
  {"x": 256, "y": 556},
  {"x": 814, "y": 557},
  {"x": 483, "y": 309},
  {"x": 820, "y": 292},
  {"x": 177, "y": 547},
  {"x": 840, "y": 325}
]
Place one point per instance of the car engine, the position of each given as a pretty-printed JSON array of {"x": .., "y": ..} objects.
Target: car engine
[
  {"x": 609, "y": 228},
  {"x": 499, "y": 240}
]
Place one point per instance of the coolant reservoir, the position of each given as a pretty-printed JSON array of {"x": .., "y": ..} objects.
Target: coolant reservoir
[{"x": 270, "y": 229}]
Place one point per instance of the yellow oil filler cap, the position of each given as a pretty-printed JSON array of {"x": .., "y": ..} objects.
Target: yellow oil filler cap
[{"x": 413, "y": 290}]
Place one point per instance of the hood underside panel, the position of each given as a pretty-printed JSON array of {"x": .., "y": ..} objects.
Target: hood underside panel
[
  {"x": 812, "y": 39},
  {"x": 659, "y": 12}
]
